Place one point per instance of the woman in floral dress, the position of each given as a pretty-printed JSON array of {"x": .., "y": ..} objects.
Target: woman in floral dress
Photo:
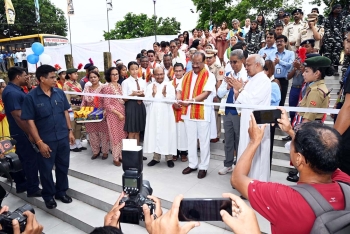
[{"x": 115, "y": 114}]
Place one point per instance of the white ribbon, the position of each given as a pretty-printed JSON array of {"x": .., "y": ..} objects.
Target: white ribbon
[{"x": 242, "y": 106}]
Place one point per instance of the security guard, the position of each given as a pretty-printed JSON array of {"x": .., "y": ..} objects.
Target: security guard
[
  {"x": 317, "y": 95},
  {"x": 72, "y": 85},
  {"x": 218, "y": 71},
  {"x": 45, "y": 109},
  {"x": 311, "y": 30},
  {"x": 294, "y": 29}
]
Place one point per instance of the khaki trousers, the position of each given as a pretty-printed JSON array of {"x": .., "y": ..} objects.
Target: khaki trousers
[{"x": 157, "y": 157}]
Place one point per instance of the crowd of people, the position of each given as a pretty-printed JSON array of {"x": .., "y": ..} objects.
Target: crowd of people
[{"x": 185, "y": 85}]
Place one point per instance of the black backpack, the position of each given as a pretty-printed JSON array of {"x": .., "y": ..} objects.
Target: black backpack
[{"x": 327, "y": 219}]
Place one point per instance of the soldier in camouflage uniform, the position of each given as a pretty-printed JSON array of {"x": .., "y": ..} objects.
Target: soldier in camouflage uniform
[
  {"x": 255, "y": 39},
  {"x": 333, "y": 37},
  {"x": 346, "y": 28}
]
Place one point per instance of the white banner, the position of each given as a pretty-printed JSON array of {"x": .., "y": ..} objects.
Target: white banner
[{"x": 126, "y": 50}]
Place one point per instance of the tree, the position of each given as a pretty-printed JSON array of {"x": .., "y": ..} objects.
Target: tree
[
  {"x": 134, "y": 26},
  {"x": 226, "y": 10},
  {"x": 52, "y": 19},
  {"x": 329, "y": 4}
]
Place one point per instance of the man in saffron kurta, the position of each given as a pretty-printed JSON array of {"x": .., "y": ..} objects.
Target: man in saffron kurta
[
  {"x": 197, "y": 86},
  {"x": 160, "y": 133}
]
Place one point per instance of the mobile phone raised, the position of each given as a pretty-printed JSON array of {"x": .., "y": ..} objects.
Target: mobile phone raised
[
  {"x": 203, "y": 209},
  {"x": 267, "y": 116}
]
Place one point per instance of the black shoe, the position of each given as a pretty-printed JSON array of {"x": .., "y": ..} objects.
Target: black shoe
[
  {"x": 83, "y": 148},
  {"x": 76, "y": 150},
  {"x": 294, "y": 178},
  {"x": 287, "y": 138},
  {"x": 152, "y": 163},
  {"x": 36, "y": 194},
  {"x": 20, "y": 190},
  {"x": 144, "y": 158},
  {"x": 65, "y": 199},
  {"x": 170, "y": 163},
  {"x": 51, "y": 204}
]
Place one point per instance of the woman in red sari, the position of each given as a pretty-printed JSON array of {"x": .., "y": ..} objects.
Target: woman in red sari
[
  {"x": 115, "y": 114},
  {"x": 98, "y": 132}
]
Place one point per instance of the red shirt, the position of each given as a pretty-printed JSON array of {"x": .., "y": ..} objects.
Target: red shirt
[{"x": 286, "y": 209}]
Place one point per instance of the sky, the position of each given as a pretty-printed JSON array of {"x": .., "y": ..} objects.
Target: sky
[{"x": 90, "y": 19}]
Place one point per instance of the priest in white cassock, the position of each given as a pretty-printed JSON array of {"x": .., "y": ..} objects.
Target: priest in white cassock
[
  {"x": 257, "y": 91},
  {"x": 160, "y": 132},
  {"x": 197, "y": 86},
  {"x": 182, "y": 146}
]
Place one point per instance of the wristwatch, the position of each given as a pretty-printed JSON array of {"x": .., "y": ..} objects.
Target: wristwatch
[{"x": 70, "y": 129}]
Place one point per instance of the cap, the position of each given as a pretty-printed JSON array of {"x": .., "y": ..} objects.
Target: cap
[
  {"x": 193, "y": 49},
  {"x": 298, "y": 10},
  {"x": 307, "y": 41},
  {"x": 87, "y": 66},
  {"x": 318, "y": 61},
  {"x": 60, "y": 71},
  {"x": 2, "y": 81},
  {"x": 71, "y": 70},
  {"x": 312, "y": 16},
  {"x": 210, "y": 52},
  {"x": 286, "y": 15}
]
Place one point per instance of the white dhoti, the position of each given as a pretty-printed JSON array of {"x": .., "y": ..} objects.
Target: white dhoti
[
  {"x": 198, "y": 130},
  {"x": 260, "y": 168},
  {"x": 182, "y": 140}
]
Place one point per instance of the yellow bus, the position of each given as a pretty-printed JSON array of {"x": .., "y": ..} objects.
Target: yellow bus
[{"x": 22, "y": 42}]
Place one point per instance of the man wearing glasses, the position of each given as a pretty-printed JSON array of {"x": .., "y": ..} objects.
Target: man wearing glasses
[{"x": 232, "y": 119}]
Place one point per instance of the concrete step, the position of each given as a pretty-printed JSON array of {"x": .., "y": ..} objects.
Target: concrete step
[{"x": 51, "y": 224}]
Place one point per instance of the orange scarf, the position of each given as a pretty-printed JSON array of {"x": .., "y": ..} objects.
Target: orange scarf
[
  {"x": 154, "y": 64},
  {"x": 197, "y": 110},
  {"x": 146, "y": 76},
  {"x": 171, "y": 73},
  {"x": 177, "y": 113}
]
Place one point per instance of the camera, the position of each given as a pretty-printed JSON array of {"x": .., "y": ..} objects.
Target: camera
[
  {"x": 135, "y": 187},
  {"x": 6, "y": 219},
  {"x": 11, "y": 162}
]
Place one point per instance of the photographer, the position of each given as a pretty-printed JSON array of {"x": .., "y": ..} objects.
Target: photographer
[
  {"x": 32, "y": 226},
  {"x": 242, "y": 220},
  {"x": 314, "y": 151}
]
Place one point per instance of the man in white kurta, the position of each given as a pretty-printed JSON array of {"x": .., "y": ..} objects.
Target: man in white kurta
[
  {"x": 197, "y": 128},
  {"x": 180, "y": 124},
  {"x": 160, "y": 132},
  {"x": 257, "y": 91}
]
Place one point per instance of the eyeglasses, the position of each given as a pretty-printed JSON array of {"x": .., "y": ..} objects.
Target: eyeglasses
[
  {"x": 114, "y": 74},
  {"x": 279, "y": 42},
  {"x": 209, "y": 57},
  {"x": 233, "y": 62}
]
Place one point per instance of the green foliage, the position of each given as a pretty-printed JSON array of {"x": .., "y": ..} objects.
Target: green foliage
[
  {"x": 134, "y": 26},
  {"x": 53, "y": 20},
  {"x": 329, "y": 4},
  {"x": 226, "y": 10}
]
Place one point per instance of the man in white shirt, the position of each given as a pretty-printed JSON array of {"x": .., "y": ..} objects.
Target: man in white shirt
[
  {"x": 232, "y": 118},
  {"x": 160, "y": 133},
  {"x": 182, "y": 142},
  {"x": 257, "y": 91},
  {"x": 19, "y": 58},
  {"x": 246, "y": 27},
  {"x": 177, "y": 55},
  {"x": 197, "y": 86}
]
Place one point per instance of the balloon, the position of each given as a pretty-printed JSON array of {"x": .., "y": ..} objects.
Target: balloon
[
  {"x": 37, "y": 48},
  {"x": 45, "y": 59},
  {"x": 33, "y": 59}
]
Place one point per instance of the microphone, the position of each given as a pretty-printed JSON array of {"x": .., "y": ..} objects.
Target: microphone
[{"x": 6, "y": 145}]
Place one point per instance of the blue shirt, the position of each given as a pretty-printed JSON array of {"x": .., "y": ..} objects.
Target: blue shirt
[
  {"x": 222, "y": 91},
  {"x": 286, "y": 61},
  {"x": 232, "y": 32},
  {"x": 13, "y": 97},
  {"x": 275, "y": 94},
  {"x": 189, "y": 66},
  {"x": 270, "y": 52},
  {"x": 47, "y": 113}
]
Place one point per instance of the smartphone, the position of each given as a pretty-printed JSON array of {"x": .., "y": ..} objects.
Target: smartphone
[
  {"x": 203, "y": 209},
  {"x": 267, "y": 116}
]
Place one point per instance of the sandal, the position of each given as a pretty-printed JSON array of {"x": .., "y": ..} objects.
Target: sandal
[
  {"x": 175, "y": 158},
  {"x": 105, "y": 156},
  {"x": 95, "y": 156}
]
